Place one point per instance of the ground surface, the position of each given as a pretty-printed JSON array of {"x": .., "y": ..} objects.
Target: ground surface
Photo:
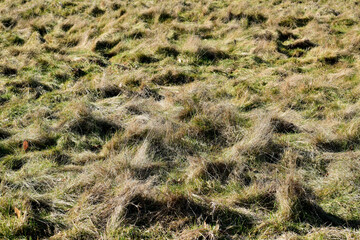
[{"x": 179, "y": 119}]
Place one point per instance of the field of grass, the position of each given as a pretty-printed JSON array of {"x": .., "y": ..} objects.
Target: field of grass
[{"x": 179, "y": 119}]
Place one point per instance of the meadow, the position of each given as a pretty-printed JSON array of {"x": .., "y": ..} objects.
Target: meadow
[{"x": 179, "y": 119}]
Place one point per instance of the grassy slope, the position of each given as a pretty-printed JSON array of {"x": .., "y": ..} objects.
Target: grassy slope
[{"x": 179, "y": 119}]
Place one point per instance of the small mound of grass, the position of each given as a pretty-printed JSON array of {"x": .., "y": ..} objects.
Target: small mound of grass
[
  {"x": 31, "y": 83},
  {"x": 41, "y": 29},
  {"x": 337, "y": 145},
  {"x": 205, "y": 128},
  {"x": 135, "y": 34},
  {"x": 13, "y": 162},
  {"x": 109, "y": 91},
  {"x": 330, "y": 59},
  {"x": 295, "y": 49},
  {"x": 5, "y": 98},
  {"x": 61, "y": 76},
  {"x": 145, "y": 58},
  {"x": 173, "y": 77},
  {"x": 286, "y": 35},
  {"x": 210, "y": 170},
  {"x": 261, "y": 145},
  {"x": 168, "y": 51},
  {"x": 78, "y": 72},
  {"x": 88, "y": 125},
  {"x": 148, "y": 16},
  {"x": 16, "y": 40},
  {"x": 148, "y": 92},
  {"x": 297, "y": 203},
  {"x": 37, "y": 224},
  {"x": 70, "y": 42},
  {"x": 145, "y": 211},
  {"x": 282, "y": 126},
  {"x": 208, "y": 55},
  {"x": 4, "y": 134},
  {"x": 304, "y": 44},
  {"x": 84, "y": 122},
  {"x": 5, "y": 150},
  {"x": 252, "y": 18},
  {"x": 295, "y": 22},
  {"x": 347, "y": 22},
  {"x": 262, "y": 198},
  {"x": 41, "y": 143},
  {"x": 105, "y": 45}
]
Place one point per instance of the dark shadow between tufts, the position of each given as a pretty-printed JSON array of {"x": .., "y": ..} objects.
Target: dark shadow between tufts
[
  {"x": 143, "y": 211},
  {"x": 173, "y": 77},
  {"x": 312, "y": 213},
  {"x": 283, "y": 126},
  {"x": 89, "y": 124}
]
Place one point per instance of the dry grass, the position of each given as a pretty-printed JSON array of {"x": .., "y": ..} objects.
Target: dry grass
[{"x": 179, "y": 119}]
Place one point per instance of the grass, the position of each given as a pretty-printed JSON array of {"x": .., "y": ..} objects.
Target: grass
[{"x": 179, "y": 119}]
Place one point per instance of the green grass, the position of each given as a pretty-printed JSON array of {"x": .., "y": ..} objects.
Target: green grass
[{"x": 179, "y": 119}]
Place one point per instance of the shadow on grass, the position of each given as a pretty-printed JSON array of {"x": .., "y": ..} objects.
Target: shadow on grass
[
  {"x": 316, "y": 216},
  {"x": 143, "y": 211}
]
